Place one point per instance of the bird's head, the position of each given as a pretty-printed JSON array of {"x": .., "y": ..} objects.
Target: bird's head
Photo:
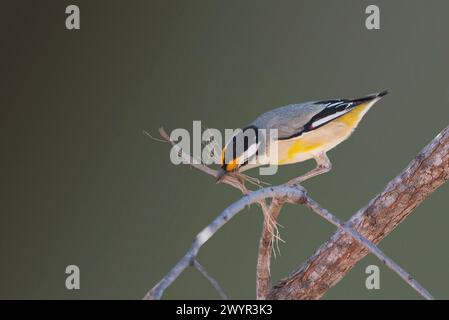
[{"x": 240, "y": 151}]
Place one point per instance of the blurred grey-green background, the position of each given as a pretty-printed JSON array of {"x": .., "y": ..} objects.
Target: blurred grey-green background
[{"x": 81, "y": 184}]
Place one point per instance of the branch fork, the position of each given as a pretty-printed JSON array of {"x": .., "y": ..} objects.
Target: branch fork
[{"x": 354, "y": 239}]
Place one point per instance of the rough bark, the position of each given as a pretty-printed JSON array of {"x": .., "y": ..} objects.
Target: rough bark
[
  {"x": 329, "y": 264},
  {"x": 263, "y": 274}
]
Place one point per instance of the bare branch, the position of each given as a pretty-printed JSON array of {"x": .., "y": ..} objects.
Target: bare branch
[
  {"x": 312, "y": 204},
  {"x": 426, "y": 173},
  {"x": 263, "y": 282},
  {"x": 189, "y": 159},
  {"x": 283, "y": 193},
  {"x": 254, "y": 197},
  {"x": 329, "y": 264},
  {"x": 213, "y": 282},
  {"x": 263, "y": 274}
]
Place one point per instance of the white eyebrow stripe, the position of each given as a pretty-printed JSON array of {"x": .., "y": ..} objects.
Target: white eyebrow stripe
[{"x": 328, "y": 118}]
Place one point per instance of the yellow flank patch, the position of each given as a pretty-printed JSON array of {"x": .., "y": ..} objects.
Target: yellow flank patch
[
  {"x": 353, "y": 117},
  {"x": 302, "y": 146},
  {"x": 323, "y": 138}
]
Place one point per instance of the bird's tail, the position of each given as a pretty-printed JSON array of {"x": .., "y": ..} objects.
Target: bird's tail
[{"x": 370, "y": 97}]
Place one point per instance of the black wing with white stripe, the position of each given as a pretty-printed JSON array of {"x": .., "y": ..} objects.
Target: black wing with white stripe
[{"x": 333, "y": 109}]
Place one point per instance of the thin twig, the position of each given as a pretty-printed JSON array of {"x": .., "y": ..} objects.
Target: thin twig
[
  {"x": 153, "y": 138},
  {"x": 187, "y": 157},
  {"x": 432, "y": 162},
  {"x": 202, "y": 237},
  {"x": 212, "y": 281},
  {"x": 315, "y": 207},
  {"x": 289, "y": 194},
  {"x": 428, "y": 171},
  {"x": 228, "y": 179},
  {"x": 235, "y": 180}
]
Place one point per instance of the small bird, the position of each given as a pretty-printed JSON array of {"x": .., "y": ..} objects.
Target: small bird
[{"x": 305, "y": 131}]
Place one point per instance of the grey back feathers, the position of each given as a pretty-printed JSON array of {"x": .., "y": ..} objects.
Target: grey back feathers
[
  {"x": 288, "y": 120},
  {"x": 293, "y": 120}
]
